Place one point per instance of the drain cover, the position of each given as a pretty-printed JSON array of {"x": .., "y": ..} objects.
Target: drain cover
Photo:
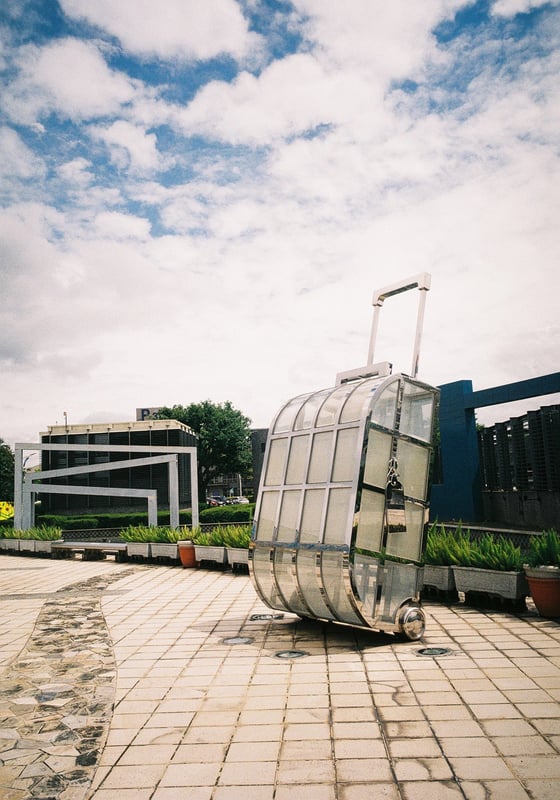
[
  {"x": 433, "y": 652},
  {"x": 259, "y": 617},
  {"x": 238, "y": 640},
  {"x": 291, "y": 654}
]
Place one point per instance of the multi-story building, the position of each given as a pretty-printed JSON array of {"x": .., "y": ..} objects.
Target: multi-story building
[{"x": 149, "y": 433}]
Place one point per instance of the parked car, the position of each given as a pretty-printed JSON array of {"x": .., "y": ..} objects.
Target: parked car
[
  {"x": 234, "y": 501},
  {"x": 216, "y": 501}
]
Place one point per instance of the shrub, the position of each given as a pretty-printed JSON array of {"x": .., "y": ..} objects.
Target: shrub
[
  {"x": 458, "y": 548},
  {"x": 544, "y": 550},
  {"x": 146, "y": 533},
  {"x": 237, "y": 536},
  {"x": 44, "y": 533},
  {"x": 233, "y": 514}
]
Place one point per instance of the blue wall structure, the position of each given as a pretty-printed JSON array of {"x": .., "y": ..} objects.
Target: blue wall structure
[{"x": 460, "y": 494}]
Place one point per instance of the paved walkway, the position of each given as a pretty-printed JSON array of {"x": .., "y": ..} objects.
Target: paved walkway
[{"x": 158, "y": 683}]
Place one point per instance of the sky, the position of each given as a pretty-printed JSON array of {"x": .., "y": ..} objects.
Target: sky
[{"x": 198, "y": 199}]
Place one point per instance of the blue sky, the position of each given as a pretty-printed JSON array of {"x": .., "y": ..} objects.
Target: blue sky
[{"x": 197, "y": 199}]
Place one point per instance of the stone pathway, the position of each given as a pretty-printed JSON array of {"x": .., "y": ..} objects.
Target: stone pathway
[{"x": 56, "y": 699}]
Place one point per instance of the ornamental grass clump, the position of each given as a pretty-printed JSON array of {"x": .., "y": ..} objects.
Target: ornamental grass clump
[
  {"x": 44, "y": 533},
  {"x": 459, "y": 549},
  {"x": 151, "y": 533},
  {"x": 237, "y": 536},
  {"x": 544, "y": 550}
]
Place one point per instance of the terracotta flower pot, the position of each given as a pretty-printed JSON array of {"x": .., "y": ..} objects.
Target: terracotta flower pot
[
  {"x": 187, "y": 554},
  {"x": 544, "y": 585}
]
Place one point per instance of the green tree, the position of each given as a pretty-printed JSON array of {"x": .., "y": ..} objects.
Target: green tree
[
  {"x": 224, "y": 438},
  {"x": 7, "y": 463}
]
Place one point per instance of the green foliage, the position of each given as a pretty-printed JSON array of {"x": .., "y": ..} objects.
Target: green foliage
[
  {"x": 7, "y": 464},
  {"x": 44, "y": 533},
  {"x": 233, "y": 514},
  {"x": 237, "y": 536},
  {"x": 544, "y": 550},
  {"x": 117, "y": 520},
  {"x": 145, "y": 533},
  {"x": 458, "y": 548},
  {"x": 224, "y": 438},
  {"x": 214, "y": 538}
]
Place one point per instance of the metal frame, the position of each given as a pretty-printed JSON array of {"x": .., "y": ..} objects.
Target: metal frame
[{"x": 25, "y": 485}]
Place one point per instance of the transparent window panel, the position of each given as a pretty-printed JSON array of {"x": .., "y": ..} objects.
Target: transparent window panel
[
  {"x": 385, "y": 406},
  {"x": 307, "y": 576},
  {"x": 354, "y": 407},
  {"x": 310, "y": 531},
  {"x": 407, "y": 544},
  {"x": 377, "y": 458},
  {"x": 321, "y": 455},
  {"x": 276, "y": 462},
  {"x": 284, "y": 572},
  {"x": 371, "y": 521},
  {"x": 298, "y": 459},
  {"x": 308, "y": 412},
  {"x": 264, "y": 578},
  {"x": 339, "y": 513},
  {"x": 346, "y": 457},
  {"x": 286, "y": 417},
  {"x": 267, "y": 516},
  {"x": 330, "y": 410},
  {"x": 366, "y": 575},
  {"x": 289, "y": 513},
  {"x": 402, "y": 581},
  {"x": 333, "y": 571},
  {"x": 413, "y": 465},
  {"x": 417, "y": 411}
]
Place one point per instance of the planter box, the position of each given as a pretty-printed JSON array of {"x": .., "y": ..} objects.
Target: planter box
[
  {"x": 237, "y": 555},
  {"x": 27, "y": 545},
  {"x": 45, "y": 545},
  {"x": 509, "y": 585},
  {"x": 207, "y": 552},
  {"x": 11, "y": 544},
  {"x": 165, "y": 550},
  {"x": 142, "y": 549},
  {"x": 439, "y": 577}
]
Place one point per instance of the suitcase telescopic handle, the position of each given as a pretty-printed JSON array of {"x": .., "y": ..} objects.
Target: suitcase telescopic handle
[{"x": 422, "y": 282}]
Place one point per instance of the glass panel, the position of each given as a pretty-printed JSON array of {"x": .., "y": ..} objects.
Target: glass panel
[
  {"x": 267, "y": 516},
  {"x": 333, "y": 569},
  {"x": 287, "y": 526},
  {"x": 377, "y": 458},
  {"x": 371, "y": 521},
  {"x": 297, "y": 462},
  {"x": 310, "y": 532},
  {"x": 413, "y": 465},
  {"x": 286, "y": 582},
  {"x": 321, "y": 454},
  {"x": 385, "y": 406},
  {"x": 408, "y": 543},
  {"x": 403, "y": 582},
  {"x": 276, "y": 462},
  {"x": 264, "y": 579},
  {"x": 367, "y": 573},
  {"x": 353, "y": 408},
  {"x": 307, "y": 414},
  {"x": 306, "y": 566},
  {"x": 286, "y": 416},
  {"x": 417, "y": 411},
  {"x": 328, "y": 415},
  {"x": 346, "y": 460},
  {"x": 338, "y": 513}
]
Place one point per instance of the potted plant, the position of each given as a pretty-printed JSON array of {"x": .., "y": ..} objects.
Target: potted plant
[
  {"x": 164, "y": 543},
  {"x": 543, "y": 572},
  {"x": 209, "y": 546},
  {"x": 187, "y": 554},
  {"x": 11, "y": 539},
  {"x": 44, "y": 536},
  {"x": 439, "y": 558},
  {"x": 236, "y": 540},
  {"x": 491, "y": 566},
  {"x": 138, "y": 542}
]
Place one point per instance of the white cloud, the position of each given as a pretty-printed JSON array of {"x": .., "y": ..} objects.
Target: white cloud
[
  {"x": 130, "y": 145},
  {"x": 171, "y": 29},
  {"x": 16, "y": 159},
  {"x": 77, "y": 172},
  {"x": 509, "y": 8},
  {"x": 116, "y": 226},
  {"x": 69, "y": 77}
]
